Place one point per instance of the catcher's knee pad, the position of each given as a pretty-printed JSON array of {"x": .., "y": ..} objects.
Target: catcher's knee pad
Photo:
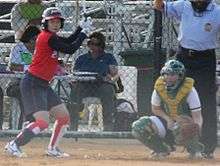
[
  {"x": 160, "y": 127},
  {"x": 141, "y": 125},
  {"x": 150, "y": 131},
  {"x": 150, "y": 124}
]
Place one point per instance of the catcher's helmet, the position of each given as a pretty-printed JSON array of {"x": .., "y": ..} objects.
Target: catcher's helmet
[
  {"x": 51, "y": 13},
  {"x": 173, "y": 67}
]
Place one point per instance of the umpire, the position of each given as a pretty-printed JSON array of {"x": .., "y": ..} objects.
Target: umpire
[{"x": 199, "y": 24}]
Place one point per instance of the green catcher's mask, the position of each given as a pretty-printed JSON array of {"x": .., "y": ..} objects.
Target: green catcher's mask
[{"x": 173, "y": 73}]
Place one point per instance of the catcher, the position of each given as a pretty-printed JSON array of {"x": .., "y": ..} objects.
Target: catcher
[{"x": 177, "y": 110}]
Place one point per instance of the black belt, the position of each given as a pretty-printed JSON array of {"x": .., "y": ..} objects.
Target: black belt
[{"x": 192, "y": 53}]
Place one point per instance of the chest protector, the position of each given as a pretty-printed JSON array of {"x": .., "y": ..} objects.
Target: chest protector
[{"x": 173, "y": 101}]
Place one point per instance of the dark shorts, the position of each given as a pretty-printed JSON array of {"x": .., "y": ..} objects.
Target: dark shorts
[{"x": 37, "y": 95}]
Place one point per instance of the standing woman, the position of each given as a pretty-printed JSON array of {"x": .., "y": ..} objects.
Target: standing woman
[{"x": 38, "y": 98}]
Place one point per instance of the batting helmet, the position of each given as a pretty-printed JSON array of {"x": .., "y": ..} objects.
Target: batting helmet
[{"x": 51, "y": 13}]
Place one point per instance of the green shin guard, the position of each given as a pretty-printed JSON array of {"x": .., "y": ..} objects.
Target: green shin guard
[
  {"x": 143, "y": 131},
  {"x": 194, "y": 146},
  {"x": 153, "y": 142},
  {"x": 157, "y": 144}
]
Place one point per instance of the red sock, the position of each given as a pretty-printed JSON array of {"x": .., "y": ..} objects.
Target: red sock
[{"x": 59, "y": 130}]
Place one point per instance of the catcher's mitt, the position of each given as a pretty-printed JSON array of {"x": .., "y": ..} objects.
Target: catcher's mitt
[{"x": 186, "y": 130}]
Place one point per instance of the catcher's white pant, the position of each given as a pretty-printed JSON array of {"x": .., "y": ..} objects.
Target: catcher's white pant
[{"x": 161, "y": 130}]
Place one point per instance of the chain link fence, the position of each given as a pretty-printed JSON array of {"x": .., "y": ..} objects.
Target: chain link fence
[{"x": 128, "y": 28}]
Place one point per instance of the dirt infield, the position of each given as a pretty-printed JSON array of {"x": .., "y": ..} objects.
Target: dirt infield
[{"x": 98, "y": 152}]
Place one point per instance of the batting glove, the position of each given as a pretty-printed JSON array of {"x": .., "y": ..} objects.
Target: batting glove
[{"x": 86, "y": 23}]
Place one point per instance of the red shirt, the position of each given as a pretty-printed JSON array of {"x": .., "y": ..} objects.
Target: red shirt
[{"x": 45, "y": 59}]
